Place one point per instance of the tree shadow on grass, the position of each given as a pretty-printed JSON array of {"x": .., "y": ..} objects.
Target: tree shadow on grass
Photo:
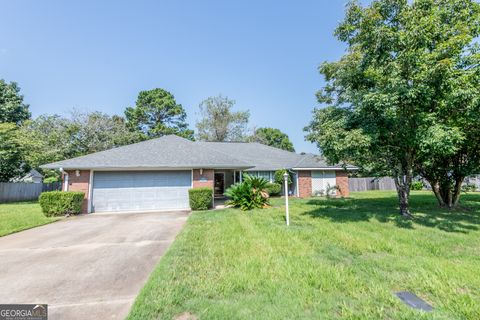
[{"x": 385, "y": 209}]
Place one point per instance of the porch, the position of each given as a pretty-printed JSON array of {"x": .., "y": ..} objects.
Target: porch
[{"x": 223, "y": 179}]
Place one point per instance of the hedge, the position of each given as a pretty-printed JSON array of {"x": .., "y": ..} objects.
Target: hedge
[
  {"x": 59, "y": 203},
  {"x": 200, "y": 198},
  {"x": 274, "y": 189}
]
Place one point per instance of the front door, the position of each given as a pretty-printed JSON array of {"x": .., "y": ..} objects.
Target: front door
[{"x": 219, "y": 182}]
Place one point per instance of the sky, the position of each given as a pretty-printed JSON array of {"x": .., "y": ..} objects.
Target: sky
[{"x": 97, "y": 55}]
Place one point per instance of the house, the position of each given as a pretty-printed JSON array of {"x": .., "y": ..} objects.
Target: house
[
  {"x": 156, "y": 174},
  {"x": 31, "y": 177}
]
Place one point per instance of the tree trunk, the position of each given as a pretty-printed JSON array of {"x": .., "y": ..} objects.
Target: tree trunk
[
  {"x": 447, "y": 191},
  {"x": 436, "y": 190},
  {"x": 456, "y": 192},
  {"x": 402, "y": 183}
]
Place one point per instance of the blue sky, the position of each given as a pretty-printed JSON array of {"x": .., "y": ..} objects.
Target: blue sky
[{"x": 97, "y": 55}]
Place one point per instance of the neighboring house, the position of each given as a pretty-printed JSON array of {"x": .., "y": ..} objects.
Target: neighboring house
[
  {"x": 473, "y": 180},
  {"x": 32, "y": 177},
  {"x": 156, "y": 174}
]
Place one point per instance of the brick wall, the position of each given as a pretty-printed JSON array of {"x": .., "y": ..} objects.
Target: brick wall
[
  {"x": 342, "y": 183},
  {"x": 304, "y": 184},
  {"x": 80, "y": 183},
  {"x": 203, "y": 180}
]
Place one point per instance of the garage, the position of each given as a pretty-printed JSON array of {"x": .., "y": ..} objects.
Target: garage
[{"x": 114, "y": 191}]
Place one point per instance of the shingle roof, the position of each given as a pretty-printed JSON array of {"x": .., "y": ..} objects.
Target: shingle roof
[
  {"x": 165, "y": 152},
  {"x": 174, "y": 152}
]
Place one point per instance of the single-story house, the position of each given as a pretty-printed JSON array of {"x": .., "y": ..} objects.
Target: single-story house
[
  {"x": 33, "y": 176},
  {"x": 156, "y": 174}
]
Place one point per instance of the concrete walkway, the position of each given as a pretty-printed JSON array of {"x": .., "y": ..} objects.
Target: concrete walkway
[{"x": 86, "y": 267}]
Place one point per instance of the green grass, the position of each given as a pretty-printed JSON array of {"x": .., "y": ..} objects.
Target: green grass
[
  {"x": 339, "y": 259},
  {"x": 19, "y": 216}
]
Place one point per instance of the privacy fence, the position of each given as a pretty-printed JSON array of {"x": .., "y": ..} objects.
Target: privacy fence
[
  {"x": 386, "y": 183},
  {"x": 364, "y": 184},
  {"x": 21, "y": 191}
]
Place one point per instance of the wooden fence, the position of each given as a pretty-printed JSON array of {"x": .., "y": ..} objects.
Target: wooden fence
[
  {"x": 364, "y": 184},
  {"x": 21, "y": 191}
]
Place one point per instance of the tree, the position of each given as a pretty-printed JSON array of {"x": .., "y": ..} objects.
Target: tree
[
  {"x": 50, "y": 138},
  {"x": 12, "y": 108},
  {"x": 219, "y": 122},
  {"x": 400, "y": 74},
  {"x": 272, "y": 137},
  {"x": 11, "y": 154},
  {"x": 97, "y": 131},
  {"x": 156, "y": 113}
]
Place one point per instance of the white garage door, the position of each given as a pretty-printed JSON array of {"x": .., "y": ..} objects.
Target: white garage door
[
  {"x": 322, "y": 180},
  {"x": 140, "y": 190}
]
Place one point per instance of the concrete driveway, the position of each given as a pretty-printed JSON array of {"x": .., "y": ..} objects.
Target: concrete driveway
[{"x": 86, "y": 267}]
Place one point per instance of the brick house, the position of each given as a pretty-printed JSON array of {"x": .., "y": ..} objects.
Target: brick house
[{"x": 156, "y": 174}]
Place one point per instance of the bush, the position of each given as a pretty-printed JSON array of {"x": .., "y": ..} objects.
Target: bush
[
  {"x": 200, "y": 198},
  {"x": 273, "y": 189},
  {"x": 51, "y": 180},
  {"x": 417, "y": 185},
  {"x": 469, "y": 187},
  {"x": 249, "y": 194},
  {"x": 58, "y": 203},
  {"x": 279, "y": 177}
]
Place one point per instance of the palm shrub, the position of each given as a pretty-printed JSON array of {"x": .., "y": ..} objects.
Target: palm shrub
[{"x": 249, "y": 194}]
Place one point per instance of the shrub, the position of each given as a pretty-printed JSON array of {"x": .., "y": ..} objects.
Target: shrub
[
  {"x": 279, "y": 176},
  {"x": 417, "y": 185},
  {"x": 331, "y": 190},
  {"x": 273, "y": 189},
  {"x": 469, "y": 187},
  {"x": 200, "y": 198},
  {"x": 58, "y": 203},
  {"x": 51, "y": 180},
  {"x": 249, "y": 194}
]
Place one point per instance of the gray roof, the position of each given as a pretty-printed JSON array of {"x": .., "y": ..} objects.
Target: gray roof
[
  {"x": 165, "y": 152},
  {"x": 171, "y": 152}
]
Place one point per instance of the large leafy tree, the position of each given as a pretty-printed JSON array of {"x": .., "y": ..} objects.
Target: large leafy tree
[
  {"x": 12, "y": 108},
  {"x": 398, "y": 83},
  {"x": 50, "y": 138},
  {"x": 219, "y": 122},
  {"x": 272, "y": 137},
  {"x": 156, "y": 113},
  {"x": 12, "y": 163}
]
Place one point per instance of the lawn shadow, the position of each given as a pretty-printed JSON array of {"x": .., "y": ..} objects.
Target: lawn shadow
[{"x": 385, "y": 209}]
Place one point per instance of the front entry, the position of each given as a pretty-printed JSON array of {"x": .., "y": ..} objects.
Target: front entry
[{"x": 219, "y": 184}]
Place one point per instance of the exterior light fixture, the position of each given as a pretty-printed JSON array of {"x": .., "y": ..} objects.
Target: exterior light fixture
[{"x": 77, "y": 173}]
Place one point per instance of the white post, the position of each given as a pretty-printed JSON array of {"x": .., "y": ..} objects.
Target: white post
[{"x": 285, "y": 176}]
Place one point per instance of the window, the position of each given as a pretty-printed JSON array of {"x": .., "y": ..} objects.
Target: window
[{"x": 267, "y": 175}]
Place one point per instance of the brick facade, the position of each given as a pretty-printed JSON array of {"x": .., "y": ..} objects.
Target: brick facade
[
  {"x": 304, "y": 184},
  {"x": 80, "y": 183},
  {"x": 342, "y": 183},
  {"x": 203, "y": 180}
]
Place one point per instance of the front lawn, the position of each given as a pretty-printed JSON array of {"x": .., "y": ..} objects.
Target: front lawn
[
  {"x": 20, "y": 216},
  {"x": 339, "y": 259}
]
